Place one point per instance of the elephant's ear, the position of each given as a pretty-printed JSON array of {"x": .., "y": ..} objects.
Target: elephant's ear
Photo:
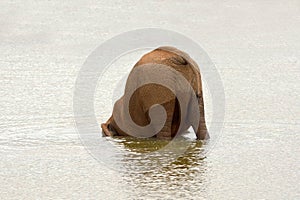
[
  {"x": 178, "y": 60},
  {"x": 179, "y": 57}
]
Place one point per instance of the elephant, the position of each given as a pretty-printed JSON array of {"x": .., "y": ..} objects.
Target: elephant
[{"x": 178, "y": 117}]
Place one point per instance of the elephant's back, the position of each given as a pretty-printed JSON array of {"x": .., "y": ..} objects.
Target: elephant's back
[{"x": 176, "y": 59}]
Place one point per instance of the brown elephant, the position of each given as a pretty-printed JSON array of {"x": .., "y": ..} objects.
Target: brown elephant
[{"x": 178, "y": 116}]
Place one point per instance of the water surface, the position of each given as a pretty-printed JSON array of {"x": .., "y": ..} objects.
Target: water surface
[{"x": 255, "y": 47}]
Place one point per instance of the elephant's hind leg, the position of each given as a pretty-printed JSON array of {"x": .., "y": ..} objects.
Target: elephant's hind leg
[{"x": 166, "y": 131}]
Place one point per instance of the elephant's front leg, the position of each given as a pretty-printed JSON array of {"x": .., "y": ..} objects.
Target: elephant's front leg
[
  {"x": 202, "y": 132},
  {"x": 106, "y": 129},
  {"x": 166, "y": 131}
]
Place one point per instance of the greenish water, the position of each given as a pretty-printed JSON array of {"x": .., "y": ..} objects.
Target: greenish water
[{"x": 144, "y": 155}]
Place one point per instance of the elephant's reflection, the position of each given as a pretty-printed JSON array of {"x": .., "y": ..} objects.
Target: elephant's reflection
[{"x": 148, "y": 161}]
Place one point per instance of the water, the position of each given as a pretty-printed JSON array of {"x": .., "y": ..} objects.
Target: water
[{"x": 255, "y": 47}]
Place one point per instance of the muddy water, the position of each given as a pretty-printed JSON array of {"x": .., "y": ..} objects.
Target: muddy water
[{"x": 255, "y": 47}]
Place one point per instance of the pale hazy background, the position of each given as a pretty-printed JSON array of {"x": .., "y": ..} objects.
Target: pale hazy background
[{"x": 255, "y": 46}]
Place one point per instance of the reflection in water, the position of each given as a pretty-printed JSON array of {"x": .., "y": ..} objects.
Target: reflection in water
[{"x": 155, "y": 172}]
